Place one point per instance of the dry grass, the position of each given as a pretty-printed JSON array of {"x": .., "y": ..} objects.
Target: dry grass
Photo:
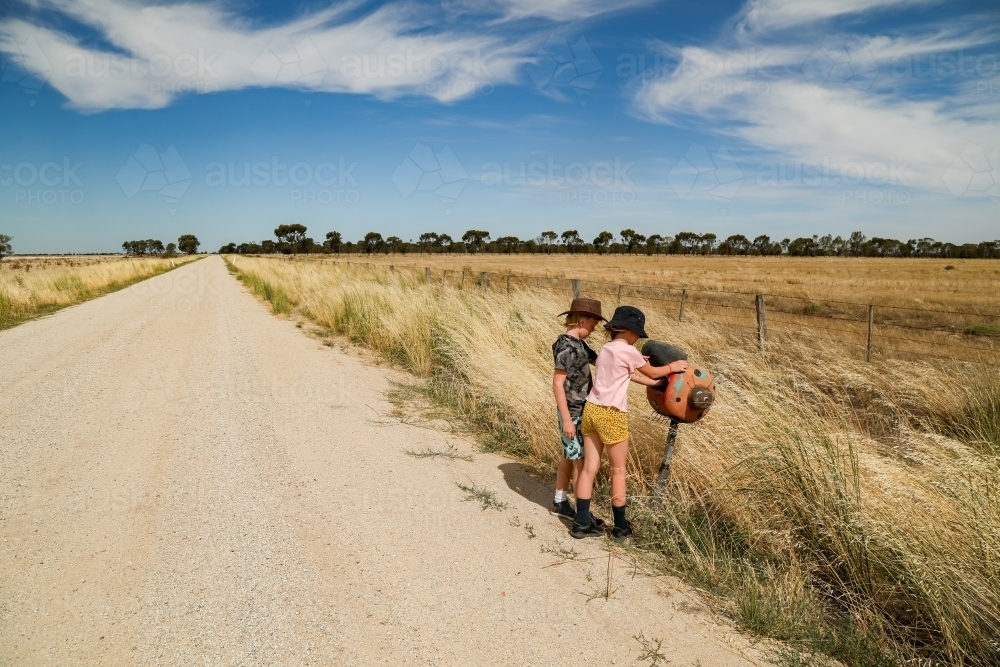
[
  {"x": 921, "y": 310},
  {"x": 32, "y": 286},
  {"x": 921, "y": 283},
  {"x": 849, "y": 509}
]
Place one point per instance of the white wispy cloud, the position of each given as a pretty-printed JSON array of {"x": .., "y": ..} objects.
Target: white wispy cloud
[
  {"x": 160, "y": 52},
  {"x": 778, "y": 14},
  {"x": 562, "y": 11},
  {"x": 565, "y": 10},
  {"x": 829, "y": 100}
]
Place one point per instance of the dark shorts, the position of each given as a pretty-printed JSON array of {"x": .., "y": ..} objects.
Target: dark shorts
[{"x": 572, "y": 447}]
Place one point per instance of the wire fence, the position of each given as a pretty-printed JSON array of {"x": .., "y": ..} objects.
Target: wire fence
[{"x": 875, "y": 331}]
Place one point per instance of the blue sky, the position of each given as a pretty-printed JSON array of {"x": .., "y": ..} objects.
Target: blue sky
[{"x": 127, "y": 120}]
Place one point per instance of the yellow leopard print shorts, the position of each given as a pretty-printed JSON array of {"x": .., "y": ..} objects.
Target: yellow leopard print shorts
[{"x": 610, "y": 424}]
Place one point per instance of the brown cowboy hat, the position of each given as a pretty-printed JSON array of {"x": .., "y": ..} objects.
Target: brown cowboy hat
[{"x": 582, "y": 306}]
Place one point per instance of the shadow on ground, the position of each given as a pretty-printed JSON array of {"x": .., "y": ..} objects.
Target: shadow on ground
[{"x": 535, "y": 488}]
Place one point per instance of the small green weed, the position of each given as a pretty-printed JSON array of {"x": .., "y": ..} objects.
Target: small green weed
[
  {"x": 650, "y": 650},
  {"x": 450, "y": 453},
  {"x": 487, "y": 498},
  {"x": 506, "y": 441},
  {"x": 991, "y": 329}
]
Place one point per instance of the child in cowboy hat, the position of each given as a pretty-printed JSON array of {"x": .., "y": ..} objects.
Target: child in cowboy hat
[
  {"x": 571, "y": 382},
  {"x": 605, "y": 417}
]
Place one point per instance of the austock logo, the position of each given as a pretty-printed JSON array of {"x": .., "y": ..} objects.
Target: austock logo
[
  {"x": 840, "y": 61},
  {"x": 46, "y": 183},
  {"x": 283, "y": 62},
  {"x": 973, "y": 173},
  {"x": 150, "y": 171},
  {"x": 24, "y": 65},
  {"x": 702, "y": 173},
  {"x": 423, "y": 170},
  {"x": 312, "y": 183},
  {"x": 561, "y": 65}
]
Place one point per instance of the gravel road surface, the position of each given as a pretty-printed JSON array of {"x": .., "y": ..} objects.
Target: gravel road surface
[{"x": 187, "y": 480}]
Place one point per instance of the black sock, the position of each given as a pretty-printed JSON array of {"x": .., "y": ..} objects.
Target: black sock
[
  {"x": 619, "y": 513},
  {"x": 583, "y": 517}
]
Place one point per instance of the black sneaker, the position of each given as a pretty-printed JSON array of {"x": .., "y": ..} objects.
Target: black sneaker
[
  {"x": 622, "y": 534},
  {"x": 563, "y": 510},
  {"x": 591, "y": 530}
]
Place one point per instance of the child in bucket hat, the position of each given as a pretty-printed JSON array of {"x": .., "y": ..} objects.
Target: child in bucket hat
[
  {"x": 571, "y": 382},
  {"x": 605, "y": 417}
]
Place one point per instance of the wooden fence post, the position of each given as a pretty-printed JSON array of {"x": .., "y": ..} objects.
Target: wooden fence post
[
  {"x": 619, "y": 301},
  {"x": 392, "y": 268},
  {"x": 444, "y": 277},
  {"x": 680, "y": 313},
  {"x": 462, "y": 284},
  {"x": 871, "y": 328},
  {"x": 427, "y": 275},
  {"x": 761, "y": 322},
  {"x": 508, "y": 284},
  {"x": 484, "y": 280},
  {"x": 575, "y": 286}
]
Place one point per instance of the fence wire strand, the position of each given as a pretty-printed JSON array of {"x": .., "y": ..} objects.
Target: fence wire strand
[{"x": 694, "y": 306}]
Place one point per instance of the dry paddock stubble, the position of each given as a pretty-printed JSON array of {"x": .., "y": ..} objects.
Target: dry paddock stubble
[{"x": 849, "y": 509}]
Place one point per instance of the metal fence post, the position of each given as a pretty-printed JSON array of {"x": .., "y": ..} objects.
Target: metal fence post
[
  {"x": 871, "y": 328},
  {"x": 761, "y": 322},
  {"x": 575, "y": 286},
  {"x": 680, "y": 313},
  {"x": 668, "y": 455},
  {"x": 484, "y": 280}
]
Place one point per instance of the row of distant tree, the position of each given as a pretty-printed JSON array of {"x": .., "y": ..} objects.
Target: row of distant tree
[
  {"x": 186, "y": 243},
  {"x": 292, "y": 239}
]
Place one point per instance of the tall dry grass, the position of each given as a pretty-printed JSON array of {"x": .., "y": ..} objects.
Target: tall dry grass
[
  {"x": 913, "y": 282},
  {"x": 850, "y": 509},
  {"x": 34, "y": 286}
]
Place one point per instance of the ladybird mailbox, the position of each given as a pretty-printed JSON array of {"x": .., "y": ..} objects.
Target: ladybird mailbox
[{"x": 683, "y": 397}]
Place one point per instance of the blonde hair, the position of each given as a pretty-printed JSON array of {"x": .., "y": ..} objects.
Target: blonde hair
[
  {"x": 574, "y": 319},
  {"x": 611, "y": 334}
]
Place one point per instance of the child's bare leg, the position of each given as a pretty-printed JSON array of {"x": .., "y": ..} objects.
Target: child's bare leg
[
  {"x": 592, "y": 449},
  {"x": 577, "y": 469},
  {"x": 563, "y": 473},
  {"x": 617, "y": 460}
]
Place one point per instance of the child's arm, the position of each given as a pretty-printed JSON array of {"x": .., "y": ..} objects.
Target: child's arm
[
  {"x": 559, "y": 389},
  {"x": 639, "y": 378},
  {"x": 657, "y": 372}
]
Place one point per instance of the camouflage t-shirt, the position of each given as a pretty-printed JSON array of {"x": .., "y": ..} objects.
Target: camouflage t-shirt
[{"x": 574, "y": 356}]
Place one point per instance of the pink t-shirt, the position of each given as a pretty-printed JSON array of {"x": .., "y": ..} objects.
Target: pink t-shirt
[{"x": 614, "y": 366}]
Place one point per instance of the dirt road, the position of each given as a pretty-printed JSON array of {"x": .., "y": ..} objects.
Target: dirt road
[{"x": 187, "y": 480}]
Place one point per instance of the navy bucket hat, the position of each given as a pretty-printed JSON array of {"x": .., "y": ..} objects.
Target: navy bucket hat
[{"x": 628, "y": 317}]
